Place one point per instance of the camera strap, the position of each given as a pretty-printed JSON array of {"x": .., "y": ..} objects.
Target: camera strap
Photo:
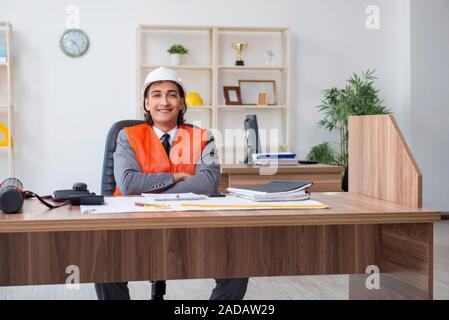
[{"x": 29, "y": 194}]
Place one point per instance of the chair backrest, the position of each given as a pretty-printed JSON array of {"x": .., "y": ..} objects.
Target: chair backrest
[{"x": 108, "y": 184}]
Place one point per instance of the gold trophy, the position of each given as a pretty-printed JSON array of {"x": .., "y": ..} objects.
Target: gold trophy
[{"x": 239, "y": 46}]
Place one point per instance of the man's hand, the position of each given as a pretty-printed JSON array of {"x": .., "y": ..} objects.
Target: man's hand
[{"x": 179, "y": 176}]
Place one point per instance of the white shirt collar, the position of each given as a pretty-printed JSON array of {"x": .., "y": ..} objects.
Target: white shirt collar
[{"x": 172, "y": 133}]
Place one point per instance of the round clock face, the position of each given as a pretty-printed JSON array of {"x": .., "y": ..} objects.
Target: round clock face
[{"x": 74, "y": 42}]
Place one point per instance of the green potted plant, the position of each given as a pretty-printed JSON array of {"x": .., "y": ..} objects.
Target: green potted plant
[
  {"x": 323, "y": 153},
  {"x": 177, "y": 51},
  {"x": 358, "y": 97}
]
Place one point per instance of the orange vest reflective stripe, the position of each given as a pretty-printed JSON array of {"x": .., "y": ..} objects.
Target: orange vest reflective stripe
[{"x": 151, "y": 156}]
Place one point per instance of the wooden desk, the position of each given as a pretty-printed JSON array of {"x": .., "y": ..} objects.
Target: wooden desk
[
  {"x": 379, "y": 223},
  {"x": 38, "y": 245},
  {"x": 325, "y": 178}
]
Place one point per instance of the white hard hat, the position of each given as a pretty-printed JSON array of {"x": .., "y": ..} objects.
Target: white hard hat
[{"x": 162, "y": 74}]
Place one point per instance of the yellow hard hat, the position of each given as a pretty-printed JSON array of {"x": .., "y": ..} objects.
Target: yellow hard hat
[
  {"x": 4, "y": 142},
  {"x": 194, "y": 99}
]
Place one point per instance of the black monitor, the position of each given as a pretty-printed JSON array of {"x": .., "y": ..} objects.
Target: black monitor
[{"x": 252, "y": 137}]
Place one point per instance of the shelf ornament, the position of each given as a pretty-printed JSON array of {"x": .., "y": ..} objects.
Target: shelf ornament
[
  {"x": 193, "y": 99},
  {"x": 177, "y": 51},
  {"x": 239, "y": 47},
  {"x": 4, "y": 132}
]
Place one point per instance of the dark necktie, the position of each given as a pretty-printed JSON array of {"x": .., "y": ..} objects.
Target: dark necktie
[{"x": 166, "y": 143}]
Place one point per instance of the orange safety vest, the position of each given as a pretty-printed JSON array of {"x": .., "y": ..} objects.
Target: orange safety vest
[{"x": 151, "y": 156}]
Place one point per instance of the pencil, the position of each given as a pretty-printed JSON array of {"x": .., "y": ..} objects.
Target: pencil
[{"x": 152, "y": 205}]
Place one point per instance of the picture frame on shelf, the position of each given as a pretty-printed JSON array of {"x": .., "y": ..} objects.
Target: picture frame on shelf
[
  {"x": 232, "y": 95},
  {"x": 250, "y": 90},
  {"x": 262, "y": 98}
]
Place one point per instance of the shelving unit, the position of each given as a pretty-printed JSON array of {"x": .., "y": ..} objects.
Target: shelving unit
[
  {"x": 6, "y": 102},
  {"x": 209, "y": 66}
]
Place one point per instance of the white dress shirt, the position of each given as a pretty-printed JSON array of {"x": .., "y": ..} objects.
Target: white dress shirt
[{"x": 172, "y": 134}]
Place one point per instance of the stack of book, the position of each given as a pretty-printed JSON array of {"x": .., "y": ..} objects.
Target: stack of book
[
  {"x": 274, "y": 191},
  {"x": 275, "y": 159}
]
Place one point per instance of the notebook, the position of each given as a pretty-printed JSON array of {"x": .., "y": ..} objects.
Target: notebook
[
  {"x": 174, "y": 196},
  {"x": 276, "y": 162},
  {"x": 279, "y": 155},
  {"x": 274, "y": 191},
  {"x": 277, "y": 186}
]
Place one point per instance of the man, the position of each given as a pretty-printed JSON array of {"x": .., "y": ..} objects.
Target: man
[{"x": 166, "y": 155}]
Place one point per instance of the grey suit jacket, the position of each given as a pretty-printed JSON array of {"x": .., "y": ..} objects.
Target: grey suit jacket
[{"x": 132, "y": 181}]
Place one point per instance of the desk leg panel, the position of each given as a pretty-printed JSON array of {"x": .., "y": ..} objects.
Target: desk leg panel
[
  {"x": 14, "y": 259},
  {"x": 241, "y": 252},
  {"x": 109, "y": 256},
  {"x": 405, "y": 264},
  {"x": 43, "y": 257}
]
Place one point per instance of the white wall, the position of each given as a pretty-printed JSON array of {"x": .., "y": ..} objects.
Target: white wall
[
  {"x": 65, "y": 106},
  {"x": 430, "y": 98},
  {"x": 332, "y": 43}
]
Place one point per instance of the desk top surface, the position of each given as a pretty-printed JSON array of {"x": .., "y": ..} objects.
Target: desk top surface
[
  {"x": 265, "y": 170},
  {"x": 345, "y": 208}
]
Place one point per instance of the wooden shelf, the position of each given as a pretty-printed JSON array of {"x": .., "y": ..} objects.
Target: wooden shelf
[
  {"x": 149, "y": 28},
  {"x": 251, "y": 107},
  {"x": 251, "y": 29},
  {"x": 253, "y": 68},
  {"x": 6, "y": 107},
  {"x": 210, "y": 67},
  {"x": 200, "y": 108},
  {"x": 181, "y": 67}
]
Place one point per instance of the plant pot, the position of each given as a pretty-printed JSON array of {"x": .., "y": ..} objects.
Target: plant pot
[{"x": 176, "y": 59}]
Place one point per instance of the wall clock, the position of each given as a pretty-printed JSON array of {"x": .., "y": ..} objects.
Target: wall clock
[{"x": 74, "y": 43}]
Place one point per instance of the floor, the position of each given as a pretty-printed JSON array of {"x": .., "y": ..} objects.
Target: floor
[{"x": 305, "y": 287}]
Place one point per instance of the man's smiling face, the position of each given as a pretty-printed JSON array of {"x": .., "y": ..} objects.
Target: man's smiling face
[{"x": 164, "y": 103}]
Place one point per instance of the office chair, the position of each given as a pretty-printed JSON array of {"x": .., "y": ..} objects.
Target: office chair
[{"x": 108, "y": 184}]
